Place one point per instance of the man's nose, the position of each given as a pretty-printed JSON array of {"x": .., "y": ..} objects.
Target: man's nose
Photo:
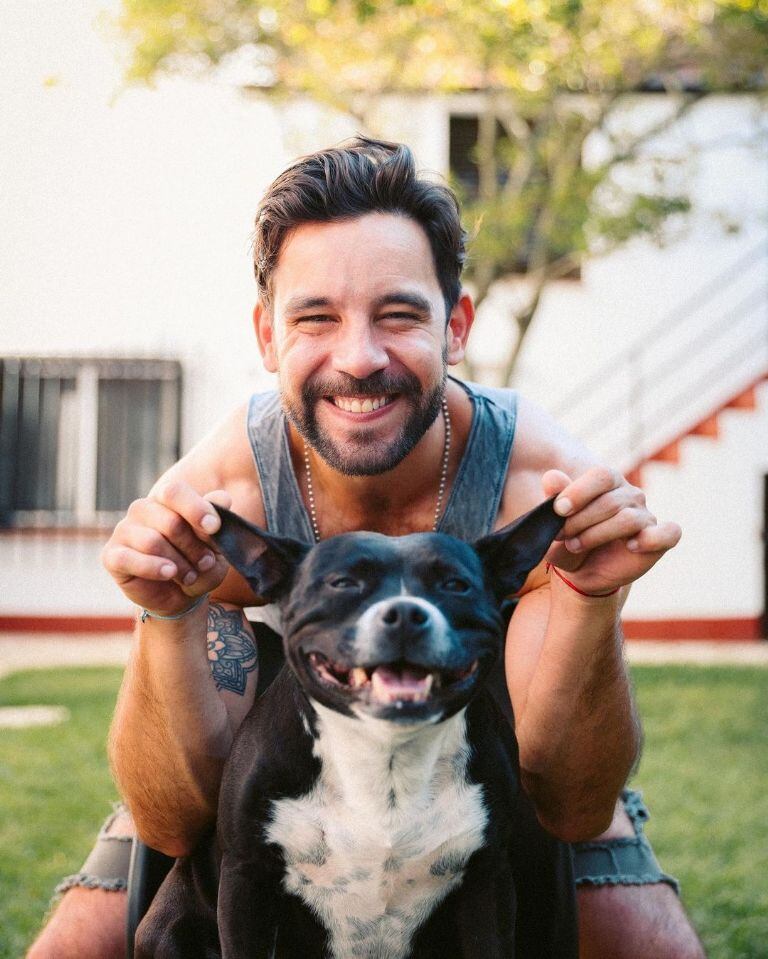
[{"x": 360, "y": 353}]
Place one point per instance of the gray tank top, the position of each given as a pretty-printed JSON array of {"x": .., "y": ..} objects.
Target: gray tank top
[{"x": 477, "y": 487}]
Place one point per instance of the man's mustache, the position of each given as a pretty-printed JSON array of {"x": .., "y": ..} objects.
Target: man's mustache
[{"x": 374, "y": 385}]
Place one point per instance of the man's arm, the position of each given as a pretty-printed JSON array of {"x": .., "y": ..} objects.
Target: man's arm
[
  {"x": 187, "y": 687},
  {"x": 190, "y": 681},
  {"x": 574, "y": 713}
]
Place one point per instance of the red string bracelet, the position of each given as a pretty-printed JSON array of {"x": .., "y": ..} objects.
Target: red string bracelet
[{"x": 575, "y": 588}]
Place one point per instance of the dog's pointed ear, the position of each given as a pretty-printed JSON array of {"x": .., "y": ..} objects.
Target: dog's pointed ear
[
  {"x": 267, "y": 562},
  {"x": 511, "y": 553}
]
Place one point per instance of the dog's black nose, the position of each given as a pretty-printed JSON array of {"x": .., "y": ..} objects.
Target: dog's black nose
[{"x": 405, "y": 614}]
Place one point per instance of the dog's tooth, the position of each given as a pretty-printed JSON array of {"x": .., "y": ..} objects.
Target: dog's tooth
[
  {"x": 379, "y": 691},
  {"x": 358, "y": 677}
]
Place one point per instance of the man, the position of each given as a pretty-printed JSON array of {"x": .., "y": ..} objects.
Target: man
[{"x": 360, "y": 313}]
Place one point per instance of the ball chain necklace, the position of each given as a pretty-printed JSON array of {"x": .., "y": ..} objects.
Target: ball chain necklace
[{"x": 440, "y": 489}]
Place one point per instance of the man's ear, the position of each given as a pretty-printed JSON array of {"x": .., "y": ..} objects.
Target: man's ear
[
  {"x": 459, "y": 324},
  {"x": 265, "y": 334},
  {"x": 511, "y": 553},
  {"x": 267, "y": 562}
]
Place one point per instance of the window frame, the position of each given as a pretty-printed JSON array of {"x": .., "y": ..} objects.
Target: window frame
[{"x": 87, "y": 372}]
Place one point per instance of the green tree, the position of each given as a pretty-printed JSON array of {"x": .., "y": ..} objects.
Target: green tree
[{"x": 554, "y": 73}]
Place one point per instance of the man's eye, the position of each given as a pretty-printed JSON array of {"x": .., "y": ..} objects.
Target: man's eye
[
  {"x": 401, "y": 317},
  {"x": 343, "y": 582},
  {"x": 318, "y": 318},
  {"x": 455, "y": 584}
]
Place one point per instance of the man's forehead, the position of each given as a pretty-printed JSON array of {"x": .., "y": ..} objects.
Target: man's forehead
[{"x": 377, "y": 254}]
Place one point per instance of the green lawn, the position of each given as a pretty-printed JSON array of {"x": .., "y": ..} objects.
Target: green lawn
[{"x": 703, "y": 774}]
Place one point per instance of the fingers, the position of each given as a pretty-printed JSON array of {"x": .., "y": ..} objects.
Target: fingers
[
  {"x": 182, "y": 499},
  {"x": 588, "y": 487},
  {"x": 125, "y": 563},
  {"x": 554, "y": 482},
  {"x": 601, "y": 506},
  {"x": 625, "y": 524},
  {"x": 605, "y": 507},
  {"x": 220, "y": 497},
  {"x": 164, "y": 537},
  {"x": 656, "y": 539}
]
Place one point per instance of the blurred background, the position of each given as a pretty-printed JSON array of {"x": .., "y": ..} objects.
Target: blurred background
[{"x": 612, "y": 161}]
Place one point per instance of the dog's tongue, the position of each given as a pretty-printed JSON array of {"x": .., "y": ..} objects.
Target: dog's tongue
[{"x": 409, "y": 684}]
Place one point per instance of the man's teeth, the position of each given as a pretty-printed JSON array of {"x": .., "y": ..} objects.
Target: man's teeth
[{"x": 353, "y": 404}]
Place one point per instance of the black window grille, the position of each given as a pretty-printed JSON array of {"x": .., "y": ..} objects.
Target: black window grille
[{"x": 81, "y": 438}]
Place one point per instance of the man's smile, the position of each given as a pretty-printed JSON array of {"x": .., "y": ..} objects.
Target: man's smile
[{"x": 361, "y": 404}]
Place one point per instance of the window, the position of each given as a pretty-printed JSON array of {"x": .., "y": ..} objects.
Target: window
[
  {"x": 463, "y": 138},
  {"x": 463, "y": 134},
  {"x": 81, "y": 438}
]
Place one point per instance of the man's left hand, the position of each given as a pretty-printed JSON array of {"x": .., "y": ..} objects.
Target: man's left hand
[{"x": 610, "y": 538}]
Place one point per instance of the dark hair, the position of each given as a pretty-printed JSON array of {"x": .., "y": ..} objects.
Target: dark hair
[{"x": 360, "y": 176}]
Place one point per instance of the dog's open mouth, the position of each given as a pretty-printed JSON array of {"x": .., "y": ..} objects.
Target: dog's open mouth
[{"x": 389, "y": 682}]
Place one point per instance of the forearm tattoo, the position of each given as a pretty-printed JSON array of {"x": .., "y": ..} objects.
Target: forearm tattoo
[{"x": 232, "y": 652}]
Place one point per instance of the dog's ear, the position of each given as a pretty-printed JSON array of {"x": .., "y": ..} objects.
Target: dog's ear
[
  {"x": 511, "y": 553},
  {"x": 268, "y": 562}
]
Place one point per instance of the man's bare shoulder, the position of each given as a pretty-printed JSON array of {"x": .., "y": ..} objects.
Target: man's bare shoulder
[
  {"x": 222, "y": 460},
  {"x": 540, "y": 444}
]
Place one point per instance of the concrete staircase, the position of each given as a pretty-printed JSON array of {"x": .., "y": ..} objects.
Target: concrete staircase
[
  {"x": 707, "y": 427},
  {"x": 706, "y": 355}
]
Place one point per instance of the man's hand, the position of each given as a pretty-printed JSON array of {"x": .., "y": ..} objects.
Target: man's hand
[
  {"x": 610, "y": 538},
  {"x": 160, "y": 554}
]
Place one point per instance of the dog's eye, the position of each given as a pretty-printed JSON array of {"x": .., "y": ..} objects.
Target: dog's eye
[
  {"x": 343, "y": 582},
  {"x": 455, "y": 585}
]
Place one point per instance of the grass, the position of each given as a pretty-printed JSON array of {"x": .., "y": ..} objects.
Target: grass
[
  {"x": 703, "y": 774},
  {"x": 55, "y": 789}
]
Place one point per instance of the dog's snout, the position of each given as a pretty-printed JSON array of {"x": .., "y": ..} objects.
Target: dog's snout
[
  {"x": 404, "y": 615},
  {"x": 400, "y": 625}
]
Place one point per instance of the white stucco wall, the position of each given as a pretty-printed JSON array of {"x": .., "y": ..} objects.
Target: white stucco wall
[
  {"x": 126, "y": 234},
  {"x": 716, "y": 494}
]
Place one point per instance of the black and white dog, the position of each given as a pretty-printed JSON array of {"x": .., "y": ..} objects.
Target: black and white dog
[{"x": 371, "y": 804}]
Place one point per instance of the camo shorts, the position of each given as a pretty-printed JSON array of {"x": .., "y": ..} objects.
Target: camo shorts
[{"x": 628, "y": 861}]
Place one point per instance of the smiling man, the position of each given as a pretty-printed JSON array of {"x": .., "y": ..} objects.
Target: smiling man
[{"x": 360, "y": 314}]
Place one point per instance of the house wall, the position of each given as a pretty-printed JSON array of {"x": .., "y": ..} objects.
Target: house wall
[
  {"x": 127, "y": 235},
  {"x": 716, "y": 493},
  {"x": 647, "y": 296}
]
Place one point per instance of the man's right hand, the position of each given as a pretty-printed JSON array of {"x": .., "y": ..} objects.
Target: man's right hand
[{"x": 161, "y": 555}]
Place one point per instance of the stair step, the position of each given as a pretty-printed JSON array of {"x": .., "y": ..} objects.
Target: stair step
[
  {"x": 744, "y": 401},
  {"x": 708, "y": 427},
  {"x": 667, "y": 454}
]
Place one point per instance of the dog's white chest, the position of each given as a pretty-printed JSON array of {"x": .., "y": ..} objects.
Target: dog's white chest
[{"x": 383, "y": 836}]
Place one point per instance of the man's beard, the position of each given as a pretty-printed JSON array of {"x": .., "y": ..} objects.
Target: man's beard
[{"x": 363, "y": 454}]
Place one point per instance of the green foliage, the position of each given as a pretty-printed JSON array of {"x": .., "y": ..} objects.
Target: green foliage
[
  {"x": 532, "y": 48},
  {"x": 554, "y": 73}
]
